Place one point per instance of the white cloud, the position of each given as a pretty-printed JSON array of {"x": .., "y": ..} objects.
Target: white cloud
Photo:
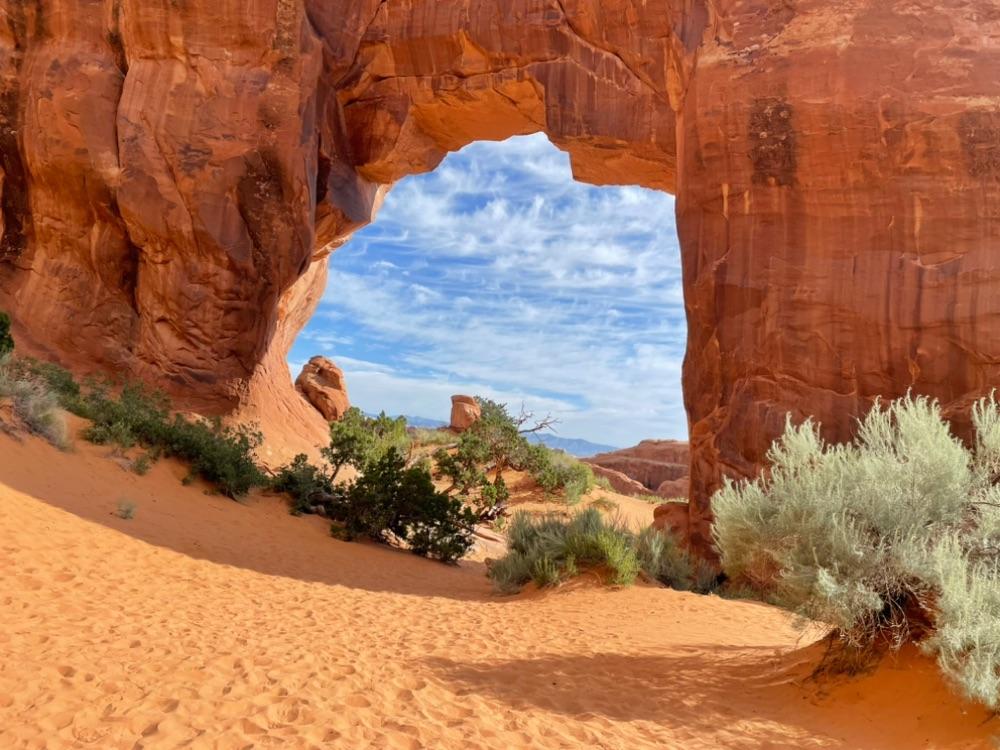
[{"x": 499, "y": 275}]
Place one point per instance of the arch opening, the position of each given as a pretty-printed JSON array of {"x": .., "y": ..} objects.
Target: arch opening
[{"x": 499, "y": 274}]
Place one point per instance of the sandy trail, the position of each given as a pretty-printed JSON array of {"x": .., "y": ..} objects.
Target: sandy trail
[{"x": 207, "y": 623}]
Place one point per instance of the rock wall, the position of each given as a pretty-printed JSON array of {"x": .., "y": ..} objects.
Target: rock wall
[
  {"x": 173, "y": 176},
  {"x": 651, "y": 463}
]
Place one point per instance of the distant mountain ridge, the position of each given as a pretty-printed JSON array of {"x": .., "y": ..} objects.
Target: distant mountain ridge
[{"x": 577, "y": 447}]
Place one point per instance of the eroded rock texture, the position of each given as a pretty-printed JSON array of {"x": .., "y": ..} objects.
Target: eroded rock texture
[
  {"x": 465, "y": 412},
  {"x": 322, "y": 383},
  {"x": 653, "y": 464},
  {"x": 173, "y": 175}
]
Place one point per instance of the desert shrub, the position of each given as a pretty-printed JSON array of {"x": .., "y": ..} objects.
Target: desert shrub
[
  {"x": 603, "y": 482},
  {"x": 464, "y": 467},
  {"x": 126, "y": 510},
  {"x": 495, "y": 443},
  {"x": 222, "y": 455},
  {"x": 891, "y": 538},
  {"x": 427, "y": 437},
  {"x": 555, "y": 470},
  {"x": 57, "y": 380},
  {"x": 358, "y": 440},
  {"x": 391, "y": 502},
  {"x": 663, "y": 559},
  {"x": 33, "y": 403},
  {"x": 219, "y": 454},
  {"x": 6, "y": 340},
  {"x": 142, "y": 464},
  {"x": 548, "y": 550},
  {"x": 308, "y": 486},
  {"x": 656, "y": 499}
]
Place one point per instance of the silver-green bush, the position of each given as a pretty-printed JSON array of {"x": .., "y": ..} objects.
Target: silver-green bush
[
  {"x": 663, "y": 559},
  {"x": 548, "y": 549},
  {"x": 34, "y": 404},
  {"x": 894, "y": 537}
]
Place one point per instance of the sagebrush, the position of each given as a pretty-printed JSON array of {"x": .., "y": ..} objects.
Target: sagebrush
[
  {"x": 33, "y": 403},
  {"x": 221, "y": 454},
  {"x": 550, "y": 549},
  {"x": 892, "y": 538}
]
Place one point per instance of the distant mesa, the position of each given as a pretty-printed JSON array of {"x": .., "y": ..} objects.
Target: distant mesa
[
  {"x": 465, "y": 412},
  {"x": 659, "y": 467},
  {"x": 322, "y": 383}
]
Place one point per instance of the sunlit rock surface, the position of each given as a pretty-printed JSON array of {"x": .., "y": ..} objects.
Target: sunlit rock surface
[
  {"x": 323, "y": 385},
  {"x": 174, "y": 175},
  {"x": 465, "y": 412}
]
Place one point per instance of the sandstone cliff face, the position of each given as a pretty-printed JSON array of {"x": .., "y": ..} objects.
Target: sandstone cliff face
[
  {"x": 651, "y": 463},
  {"x": 173, "y": 176}
]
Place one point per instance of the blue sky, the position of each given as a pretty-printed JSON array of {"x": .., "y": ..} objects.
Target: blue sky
[{"x": 498, "y": 275}]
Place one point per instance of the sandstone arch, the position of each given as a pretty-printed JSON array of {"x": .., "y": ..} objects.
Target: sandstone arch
[{"x": 174, "y": 174}]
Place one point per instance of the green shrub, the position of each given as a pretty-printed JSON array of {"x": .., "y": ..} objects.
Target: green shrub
[
  {"x": 438, "y": 438},
  {"x": 603, "y": 482},
  {"x": 894, "y": 537},
  {"x": 357, "y": 440},
  {"x": 6, "y": 340},
  {"x": 221, "y": 455},
  {"x": 33, "y": 403},
  {"x": 550, "y": 549},
  {"x": 663, "y": 559},
  {"x": 57, "y": 380},
  {"x": 142, "y": 464},
  {"x": 126, "y": 510},
  {"x": 306, "y": 485},
  {"x": 556, "y": 470},
  {"x": 390, "y": 502}
]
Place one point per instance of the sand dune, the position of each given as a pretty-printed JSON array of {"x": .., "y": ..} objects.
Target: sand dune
[{"x": 210, "y": 624}]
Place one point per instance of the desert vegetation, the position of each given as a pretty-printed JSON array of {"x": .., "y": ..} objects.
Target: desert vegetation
[
  {"x": 892, "y": 538},
  {"x": 394, "y": 499},
  {"x": 135, "y": 416},
  {"x": 498, "y": 442},
  {"x": 6, "y": 340},
  {"x": 548, "y": 550},
  {"x": 31, "y": 401}
]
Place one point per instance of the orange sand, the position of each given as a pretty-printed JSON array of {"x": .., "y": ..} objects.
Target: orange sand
[{"x": 206, "y": 623}]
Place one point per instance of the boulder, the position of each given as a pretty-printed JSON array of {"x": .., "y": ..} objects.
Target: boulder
[
  {"x": 620, "y": 483},
  {"x": 465, "y": 412},
  {"x": 322, "y": 383}
]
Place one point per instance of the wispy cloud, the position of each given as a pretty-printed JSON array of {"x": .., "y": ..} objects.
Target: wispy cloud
[{"x": 498, "y": 274}]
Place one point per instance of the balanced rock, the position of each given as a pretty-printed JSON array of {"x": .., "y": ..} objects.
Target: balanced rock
[
  {"x": 322, "y": 383},
  {"x": 465, "y": 412}
]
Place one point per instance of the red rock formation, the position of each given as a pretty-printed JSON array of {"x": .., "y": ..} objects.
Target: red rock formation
[
  {"x": 674, "y": 488},
  {"x": 619, "y": 482},
  {"x": 465, "y": 412},
  {"x": 169, "y": 170},
  {"x": 651, "y": 463},
  {"x": 322, "y": 383}
]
